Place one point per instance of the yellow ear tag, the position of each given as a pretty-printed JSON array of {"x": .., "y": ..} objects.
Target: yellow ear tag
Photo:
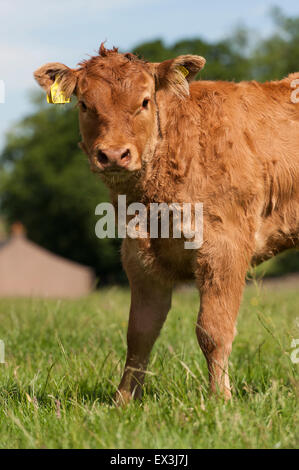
[
  {"x": 183, "y": 69},
  {"x": 57, "y": 96}
]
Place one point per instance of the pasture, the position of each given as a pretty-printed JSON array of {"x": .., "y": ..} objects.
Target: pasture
[{"x": 64, "y": 360}]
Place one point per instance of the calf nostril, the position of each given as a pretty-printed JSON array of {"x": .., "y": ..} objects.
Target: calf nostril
[
  {"x": 102, "y": 157},
  {"x": 126, "y": 154}
]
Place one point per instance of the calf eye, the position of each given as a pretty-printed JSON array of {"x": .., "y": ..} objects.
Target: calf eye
[
  {"x": 145, "y": 103},
  {"x": 83, "y": 106}
]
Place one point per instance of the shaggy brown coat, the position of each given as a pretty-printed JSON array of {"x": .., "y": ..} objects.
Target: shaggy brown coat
[{"x": 155, "y": 137}]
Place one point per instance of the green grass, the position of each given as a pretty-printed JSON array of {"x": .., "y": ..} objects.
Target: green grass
[{"x": 64, "y": 360}]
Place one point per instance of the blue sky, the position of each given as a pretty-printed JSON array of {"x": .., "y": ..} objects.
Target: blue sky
[{"x": 34, "y": 32}]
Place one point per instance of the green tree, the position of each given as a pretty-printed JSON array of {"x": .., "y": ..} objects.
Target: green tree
[
  {"x": 225, "y": 59},
  {"x": 277, "y": 56}
]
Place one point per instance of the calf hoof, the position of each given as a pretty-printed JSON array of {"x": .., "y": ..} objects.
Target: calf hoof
[
  {"x": 227, "y": 395},
  {"x": 224, "y": 393},
  {"x": 122, "y": 398}
]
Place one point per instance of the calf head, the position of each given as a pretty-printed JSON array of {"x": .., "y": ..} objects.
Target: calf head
[{"x": 117, "y": 103}]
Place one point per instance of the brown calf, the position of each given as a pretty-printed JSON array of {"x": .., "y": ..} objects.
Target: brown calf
[{"x": 155, "y": 137}]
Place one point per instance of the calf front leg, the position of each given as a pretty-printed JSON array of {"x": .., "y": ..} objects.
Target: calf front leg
[
  {"x": 220, "y": 297},
  {"x": 150, "y": 303}
]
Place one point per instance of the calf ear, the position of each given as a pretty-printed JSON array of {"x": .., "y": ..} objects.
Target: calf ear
[
  {"x": 176, "y": 74},
  {"x": 48, "y": 73}
]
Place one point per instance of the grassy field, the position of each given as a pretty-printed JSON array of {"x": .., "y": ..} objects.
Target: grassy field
[{"x": 64, "y": 360}]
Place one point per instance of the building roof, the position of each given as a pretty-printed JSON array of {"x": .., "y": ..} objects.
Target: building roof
[{"x": 26, "y": 269}]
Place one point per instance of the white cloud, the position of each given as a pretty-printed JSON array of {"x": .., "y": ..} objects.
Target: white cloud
[
  {"x": 58, "y": 11},
  {"x": 22, "y": 22},
  {"x": 18, "y": 63}
]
